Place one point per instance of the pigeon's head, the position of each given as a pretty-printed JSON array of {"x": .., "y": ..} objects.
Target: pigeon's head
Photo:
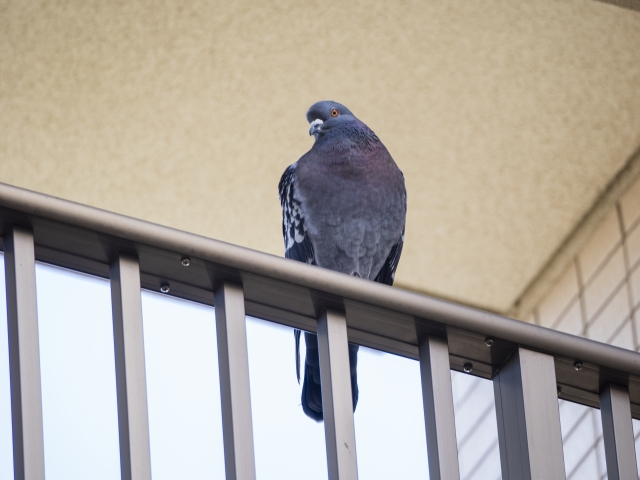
[{"x": 325, "y": 115}]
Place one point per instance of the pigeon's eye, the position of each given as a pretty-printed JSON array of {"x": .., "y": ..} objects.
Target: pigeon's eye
[{"x": 334, "y": 112}]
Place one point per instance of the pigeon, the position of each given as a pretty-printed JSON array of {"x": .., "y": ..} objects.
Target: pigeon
[{"x": 344, "y": 206}]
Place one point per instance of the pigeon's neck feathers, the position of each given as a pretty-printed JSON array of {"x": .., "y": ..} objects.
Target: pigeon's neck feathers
[{"x": 347, "y": 136}]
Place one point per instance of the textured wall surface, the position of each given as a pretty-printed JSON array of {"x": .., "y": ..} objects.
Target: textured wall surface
[
  {"x": 507, "y": 117},
  {"x": 599, "y": 294},
  {"x": 598, "y": 297}
]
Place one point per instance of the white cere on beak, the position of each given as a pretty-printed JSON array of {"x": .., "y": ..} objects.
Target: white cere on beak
[{"x": 315, "y": 127}]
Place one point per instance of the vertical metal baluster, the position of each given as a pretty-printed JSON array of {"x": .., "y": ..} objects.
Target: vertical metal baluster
[
  {"x": 528, "y": 417},
  {"x": 233, "y": 361},
  {"x": 617, "y": 428},
  {"x": 337, "y": 403},
  {"x": 24, "y": 355},
  {"x": 439, "y": 419},
  {"x": 133, "y": 419}
]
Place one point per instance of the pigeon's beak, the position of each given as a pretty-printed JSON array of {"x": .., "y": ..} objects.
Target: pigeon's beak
[{"x": 315, "y": 126}]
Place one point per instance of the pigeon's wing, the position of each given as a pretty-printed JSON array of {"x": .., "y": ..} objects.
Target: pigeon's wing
[
  {"x": 388, "y": 270},
  {"x": 297, "y": 244}
]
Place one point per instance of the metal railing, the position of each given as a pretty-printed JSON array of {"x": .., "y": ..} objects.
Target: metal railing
[{"x": 530, "y": 366}]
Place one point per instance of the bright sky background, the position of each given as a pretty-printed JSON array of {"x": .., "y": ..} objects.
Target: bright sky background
[{"x": 79, "y": 394}]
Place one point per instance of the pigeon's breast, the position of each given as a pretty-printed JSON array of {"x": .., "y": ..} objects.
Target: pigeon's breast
[{"x": 354, "y": 206}]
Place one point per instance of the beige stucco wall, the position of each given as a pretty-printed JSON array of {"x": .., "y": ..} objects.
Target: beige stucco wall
[{"x": 507, "y": 117}]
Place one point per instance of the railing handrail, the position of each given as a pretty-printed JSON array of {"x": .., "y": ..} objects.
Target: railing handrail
[
  {"x": 247, "y": 260},
  {"x": 530, "y": 365}
]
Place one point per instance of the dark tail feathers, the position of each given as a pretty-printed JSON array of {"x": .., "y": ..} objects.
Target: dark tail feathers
[{"x": 311, "y": 391}]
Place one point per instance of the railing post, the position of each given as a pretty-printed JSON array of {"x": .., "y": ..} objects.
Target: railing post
[
  {"x": 337, "y": 403},
  {"x": 437, "y": 398},
  {"x": 617, "y": 428},
  {"x": 529, "y": 432},
  {"x": 233, "y": 361},
  {"x": 24, "y": 355},
  {"x": 133, "y": 418}
]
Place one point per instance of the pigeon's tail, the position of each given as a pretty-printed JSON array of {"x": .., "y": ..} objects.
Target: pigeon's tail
[{"x": 311, "y": 391}]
